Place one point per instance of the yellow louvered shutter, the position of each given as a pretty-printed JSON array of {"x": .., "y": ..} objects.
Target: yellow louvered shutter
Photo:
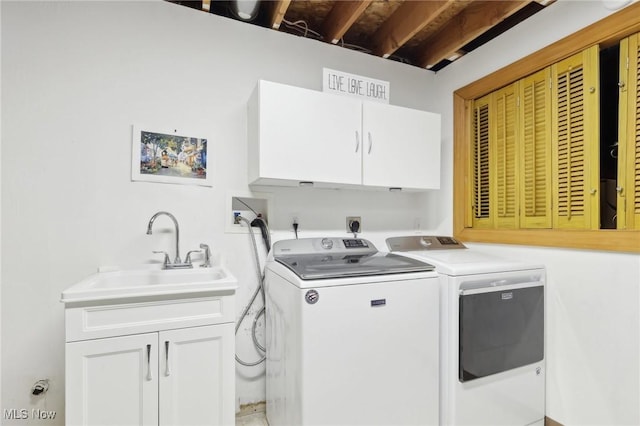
[
  {"x": 629, "y": 135},
  {"x": 535, "y": 152},
  {"x": 480, "y": 167},
  {"x": 504, "y": 148},
  {"x": 575, "y": 141}
]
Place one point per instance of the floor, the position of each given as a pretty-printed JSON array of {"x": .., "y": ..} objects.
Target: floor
[{"x": 256, "y": 419}]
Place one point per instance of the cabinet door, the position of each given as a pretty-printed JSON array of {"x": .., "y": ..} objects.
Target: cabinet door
[
  {"x": 197, "y": 380},
  {"x": 305, "y": 135},
  {"x": 401, "y": 147},
  {"x": 112, "y": 381}
]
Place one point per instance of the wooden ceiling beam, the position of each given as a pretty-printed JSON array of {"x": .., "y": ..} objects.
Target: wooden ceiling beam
[
  {"x": 342, "y": 16},
  {"x": 474, "y": 20},
  {"x": 279, "y": 8},
  {"x": 405, "y": 22}
]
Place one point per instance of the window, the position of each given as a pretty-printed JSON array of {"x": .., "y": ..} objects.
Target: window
[{"x": 527, "y": 163}]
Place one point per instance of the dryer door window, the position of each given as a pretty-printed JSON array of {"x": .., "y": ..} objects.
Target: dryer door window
[{"x": 500, "y": 330}]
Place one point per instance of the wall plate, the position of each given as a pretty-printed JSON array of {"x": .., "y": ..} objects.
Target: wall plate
[
  {"x": 355, "y": 222},
  {"x": 258, "y": 201}
]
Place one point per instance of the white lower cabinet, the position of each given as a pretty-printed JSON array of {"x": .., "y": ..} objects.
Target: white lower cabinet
[
  {"x": 196, "y": 376},
  {"x": 112, "y": 381},
  {"x": 151, "y": 362},
  {"x": 174, "y": 377}
]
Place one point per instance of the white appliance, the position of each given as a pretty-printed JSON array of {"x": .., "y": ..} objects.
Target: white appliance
[
  {"x": 492, "y": 336},
  {"x": 352, "y": 335}
]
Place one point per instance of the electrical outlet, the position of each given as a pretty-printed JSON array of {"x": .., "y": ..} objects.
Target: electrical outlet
[{"x": 354, "y": 224}]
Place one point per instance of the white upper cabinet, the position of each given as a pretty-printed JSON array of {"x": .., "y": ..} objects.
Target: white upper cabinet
[
  {"x": 300, "y": 135},
  {"x": 303, "y": 135},
  {"x": 401, "y": 147}
]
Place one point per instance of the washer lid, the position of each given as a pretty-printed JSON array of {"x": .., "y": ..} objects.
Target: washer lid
[{"x": 340, "y": 265}]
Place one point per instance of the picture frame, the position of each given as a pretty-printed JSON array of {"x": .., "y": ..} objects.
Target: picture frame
[{"x": 170, "y": 155}]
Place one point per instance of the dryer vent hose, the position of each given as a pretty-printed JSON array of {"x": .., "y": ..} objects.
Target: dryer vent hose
[{"x": 259, "y": 289}]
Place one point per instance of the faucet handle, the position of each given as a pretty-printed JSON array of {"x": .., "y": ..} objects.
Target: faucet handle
[
  {"x": 207, "y": 256},
  {"x": 188, "y": 258},
  {"x": 166, "y": 256}
]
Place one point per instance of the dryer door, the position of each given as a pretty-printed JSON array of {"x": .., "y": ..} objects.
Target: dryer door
[{"x": 501, "y": 327}]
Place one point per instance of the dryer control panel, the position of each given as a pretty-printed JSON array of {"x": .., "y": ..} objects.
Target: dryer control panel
[{"x": 423, "y": 242}]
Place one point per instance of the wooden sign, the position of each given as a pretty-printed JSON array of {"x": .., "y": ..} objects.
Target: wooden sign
[{"x": 356, "y": 86}]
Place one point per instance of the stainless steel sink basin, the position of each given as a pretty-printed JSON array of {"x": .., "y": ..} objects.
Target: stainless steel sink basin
[{"x": 147, "y": 282}]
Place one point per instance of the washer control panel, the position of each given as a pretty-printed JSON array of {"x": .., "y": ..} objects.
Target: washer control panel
[
  {"x": 323, "y": 245},
  {"x": 355, "y": 243}
]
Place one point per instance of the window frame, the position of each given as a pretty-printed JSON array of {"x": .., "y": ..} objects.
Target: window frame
[{"x": 607, "y": 31}]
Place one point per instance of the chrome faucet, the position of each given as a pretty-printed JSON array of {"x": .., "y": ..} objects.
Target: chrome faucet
[{"x": 177, "y": 262}]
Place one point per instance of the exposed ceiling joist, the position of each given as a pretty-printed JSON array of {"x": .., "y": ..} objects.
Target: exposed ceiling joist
[
  {"x": 405, "y": 22},
  {"x": 279, "y": 8},
  {"x": 474, "y": 20},
  {"x": 342, "y": 16},
  {"x": 425, "y": 33}
]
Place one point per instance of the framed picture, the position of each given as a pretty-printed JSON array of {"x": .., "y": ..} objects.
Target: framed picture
[{"x": 169, "y": 156}]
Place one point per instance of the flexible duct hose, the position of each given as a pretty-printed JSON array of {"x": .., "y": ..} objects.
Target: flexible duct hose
[{"x": 259, "y": 289}]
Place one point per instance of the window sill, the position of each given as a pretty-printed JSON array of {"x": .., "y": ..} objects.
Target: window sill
[{"x": 601, "y": 239}]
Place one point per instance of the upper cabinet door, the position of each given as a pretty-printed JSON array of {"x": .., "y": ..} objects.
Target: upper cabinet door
[
  {"x": 401, "y": 147},
  {"x": 298, "y": 134}
]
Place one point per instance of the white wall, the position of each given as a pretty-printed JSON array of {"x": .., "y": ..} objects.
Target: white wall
[
  {"x": 75, "y": 77},
  {"x": 0, "y": 218},
  {"x": 593, "y": 332}
]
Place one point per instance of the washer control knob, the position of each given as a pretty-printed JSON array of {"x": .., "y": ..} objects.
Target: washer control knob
[
  {"x": 424, "y": 242},
  {"x": 327, "y": 243}
]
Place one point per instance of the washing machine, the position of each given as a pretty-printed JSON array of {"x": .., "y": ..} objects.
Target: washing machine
[
  {"x": 352, "y": 335},
  {"x": 492, "y": 368}
]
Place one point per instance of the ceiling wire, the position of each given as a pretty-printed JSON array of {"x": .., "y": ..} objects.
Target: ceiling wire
[{"x": 302, "y": 27}]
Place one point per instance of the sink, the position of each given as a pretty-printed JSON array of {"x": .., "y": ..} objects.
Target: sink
[{"x": 149, "y": 281}]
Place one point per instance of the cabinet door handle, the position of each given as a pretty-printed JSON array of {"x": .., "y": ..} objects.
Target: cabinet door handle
[
  {"x": 149, "y": 375},
  {"x": 357, "y": 141},
  {"x": 370, "y": 142},
  {"x": 167, "y": 372}
]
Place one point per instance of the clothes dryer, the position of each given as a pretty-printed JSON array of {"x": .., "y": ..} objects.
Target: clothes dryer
[
  {"x": 352, "y": 335},
  {"x": 492, "y": 368}
]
